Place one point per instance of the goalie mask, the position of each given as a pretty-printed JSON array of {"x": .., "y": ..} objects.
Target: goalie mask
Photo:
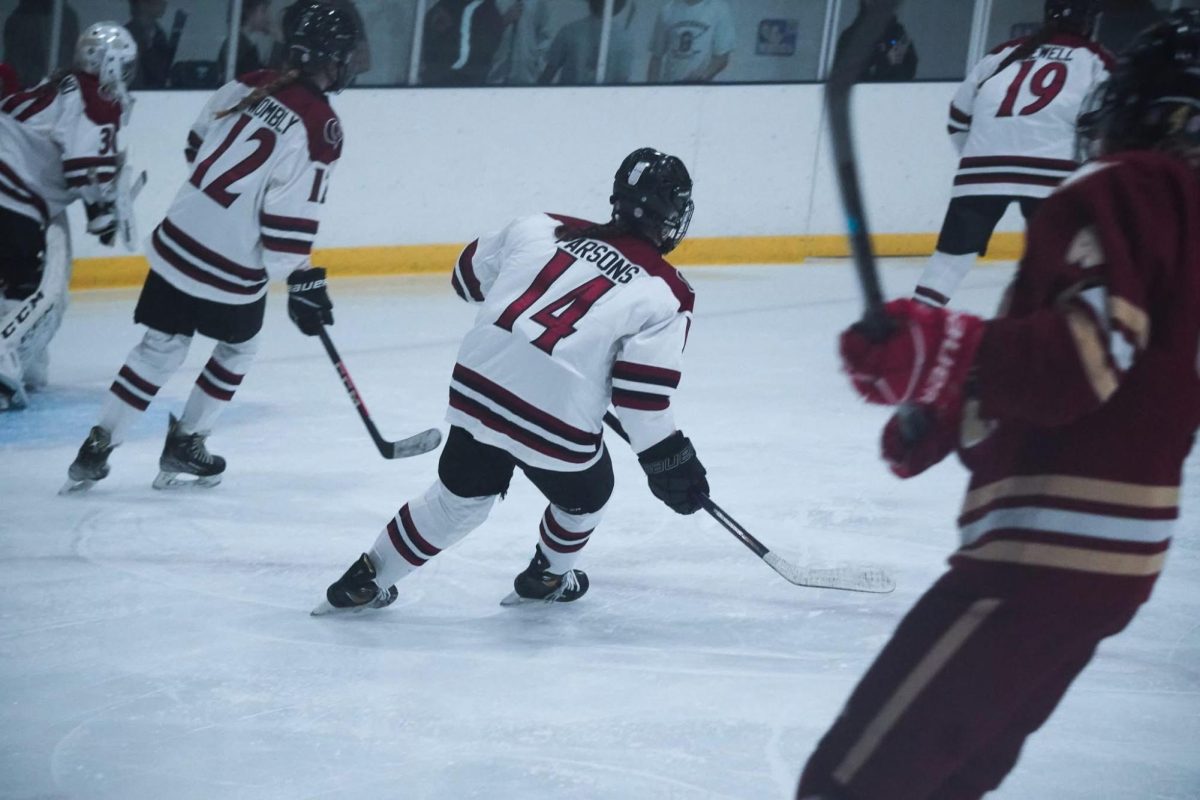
[
  {"x": 652, "y": 196},
  {"x": 1152, "y": 99},
  {"x": 109, "y": 52},
  {"x": 323, "y": 37}
]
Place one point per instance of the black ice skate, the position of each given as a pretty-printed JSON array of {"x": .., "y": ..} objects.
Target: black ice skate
[
  {"x": 91, "y": 464},
  {"x": 185, "y": 454},
  {"x": 538, "y": 585},
  {"x": 356, "y": 591}
]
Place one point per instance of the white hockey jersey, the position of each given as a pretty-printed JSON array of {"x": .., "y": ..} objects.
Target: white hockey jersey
[
  {"x": 249, "y": 210},
  {"x": 58, "y": 142},
  {"x": 1015, "y": 130},
  {"x": 564, "y": 328}
]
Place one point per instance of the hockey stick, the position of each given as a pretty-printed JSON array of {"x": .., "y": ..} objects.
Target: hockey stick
[
  {"x": 846, "y": 578},
  {"x": 414, "y": 445},
  {"x": 847, "y": 66}
]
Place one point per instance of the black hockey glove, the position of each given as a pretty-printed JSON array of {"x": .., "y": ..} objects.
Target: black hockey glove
[
  {"x": 309, "y": 305},
  {"x": 675, "y": 473},
  {"x": 102, "y": 221}
]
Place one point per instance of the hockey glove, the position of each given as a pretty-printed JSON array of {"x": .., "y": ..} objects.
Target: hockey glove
[
  {"x": 907, "y": 456},
  {"x": 102, "y": 221},
  {"x": 675, "y": 473},
  {"x": 309, "y": 305},
  {"x": 924, "y": 361}
]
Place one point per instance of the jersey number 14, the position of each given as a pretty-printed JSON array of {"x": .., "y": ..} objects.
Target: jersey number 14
[{"x": 560, "y": 316}]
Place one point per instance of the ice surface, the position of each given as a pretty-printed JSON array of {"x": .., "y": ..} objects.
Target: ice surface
[{"x": 158, "y": 645}]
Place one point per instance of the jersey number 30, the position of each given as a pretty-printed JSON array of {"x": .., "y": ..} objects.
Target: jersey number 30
[
  {"x": 558, "y": 317},
  {"x": 1046, "y": 83}
]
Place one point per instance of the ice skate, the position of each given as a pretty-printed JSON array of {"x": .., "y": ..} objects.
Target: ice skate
[
  {"x": 185, "y": 454},
  {"x": 355, "y": 591},
  {"x": 91, "y": 464},
  {"x": 538, "y": 585}
]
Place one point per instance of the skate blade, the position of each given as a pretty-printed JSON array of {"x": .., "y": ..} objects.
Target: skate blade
[
  {"x": 514, "y": 599},
  {"x": 75, "y": 487},
  {"x": 325, "y": 609},
  {"x": 171, "y": 480}
]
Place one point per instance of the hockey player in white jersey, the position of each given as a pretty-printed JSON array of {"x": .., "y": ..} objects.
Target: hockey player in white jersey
[
  {"x": 58, "y": 143},
  {"x": 572, "y": 316},
  {"x": 261, "y": 153},
  {"x": 1013, "y": 123}
]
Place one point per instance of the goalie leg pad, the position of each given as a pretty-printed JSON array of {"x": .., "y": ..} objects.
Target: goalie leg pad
[{"x": 423, "y": 528}]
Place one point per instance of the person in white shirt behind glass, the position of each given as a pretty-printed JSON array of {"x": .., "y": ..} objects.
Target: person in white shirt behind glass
[
  {"x": 522, "y": 52},
  {"x": 692, "y": 41}
]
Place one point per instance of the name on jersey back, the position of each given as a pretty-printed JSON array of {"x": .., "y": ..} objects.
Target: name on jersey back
[
  {"x": 606, "y": 258},
  {"x": 274, "y": 115}
]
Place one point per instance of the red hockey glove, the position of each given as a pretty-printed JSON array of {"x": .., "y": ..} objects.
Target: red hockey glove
[
  {"x": 907, "y": 456},
  {"x": 924, "y": 361}
]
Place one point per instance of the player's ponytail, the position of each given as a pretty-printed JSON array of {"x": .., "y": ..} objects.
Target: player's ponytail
[
  {"x": 609, "y": 230},
  {"x": 266, "y": 90}
]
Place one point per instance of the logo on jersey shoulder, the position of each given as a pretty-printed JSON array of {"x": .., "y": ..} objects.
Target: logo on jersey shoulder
[
  {"x": 333, "y": 132},
  {"x": 606, "y": 258}
]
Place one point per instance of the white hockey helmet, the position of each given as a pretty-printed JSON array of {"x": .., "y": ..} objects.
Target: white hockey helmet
[{"x": 109, "y": 52}]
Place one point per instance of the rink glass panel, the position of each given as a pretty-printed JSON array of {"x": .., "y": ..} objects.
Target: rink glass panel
[{"x": 940, "y": 31}]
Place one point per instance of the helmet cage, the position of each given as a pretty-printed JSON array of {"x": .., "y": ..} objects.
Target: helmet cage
[
  {"x": 108, "y": 51},
  {"x": 652, "y": 194},
  {"x": 323, "y": 37}
]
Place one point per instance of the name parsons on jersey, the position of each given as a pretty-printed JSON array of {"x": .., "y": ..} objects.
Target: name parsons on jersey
[
  {"x": 607, "y": 260},
  {"x": 274, "y": 115}
]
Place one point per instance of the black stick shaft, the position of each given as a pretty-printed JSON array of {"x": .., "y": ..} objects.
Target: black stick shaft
[{"x": 352, "y": 390}]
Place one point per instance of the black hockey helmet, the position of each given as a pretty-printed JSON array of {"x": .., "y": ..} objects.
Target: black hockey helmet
[
  {"x": 652, "y": 196},
  {"x": 321, "y": 35},
  {"x": 1152, "y": 98},
  {"x": 1073, "y": 16}
]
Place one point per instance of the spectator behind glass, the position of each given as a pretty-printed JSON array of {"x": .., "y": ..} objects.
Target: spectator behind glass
[
  {"x": 27, "y": 39},
  {"x": 461, "y": 37},
  {"x": 692, "y": 41},
  {"x": 360, "y": 59},
  {"x": 155, "y": 50},
  {"x": 575, "y": 51},
  {"x": 1121, "y": 20},
  {"x": 894, "y": 57},
  {"x": 522, "y": 51},
  {"x": 256, "y": 18}
]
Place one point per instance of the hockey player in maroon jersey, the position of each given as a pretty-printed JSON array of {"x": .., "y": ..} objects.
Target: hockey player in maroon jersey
[
  {"x": 1074, "y": 411},
  {"x": 58, "y": 143},
  {"x": 572, "y": 316},
  {"x": 262, "y": 154},
  {"x": 1013, "y": 123}
]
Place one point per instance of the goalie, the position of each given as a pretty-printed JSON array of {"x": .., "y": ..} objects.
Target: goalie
[{"x": 58, "y": 143}]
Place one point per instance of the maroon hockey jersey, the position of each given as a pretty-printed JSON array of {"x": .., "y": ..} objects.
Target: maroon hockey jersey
[{"x": 1088, "y": 385}]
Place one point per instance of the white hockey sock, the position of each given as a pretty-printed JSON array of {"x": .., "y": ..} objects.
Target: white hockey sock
[
  {"x": 214, "y": 388},
  {"x": 564, "y": 535},
  {"x": 423, "y": 528},
  {"x": 149, "y": 365},
  {"x": 942, "y": 276}
]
